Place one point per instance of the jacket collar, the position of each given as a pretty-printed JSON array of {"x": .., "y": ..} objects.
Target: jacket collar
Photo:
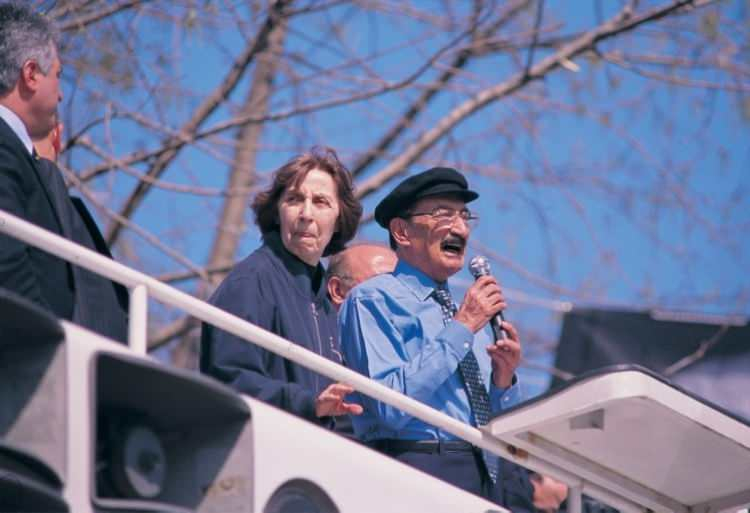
[{"x": 303, "y": 275}]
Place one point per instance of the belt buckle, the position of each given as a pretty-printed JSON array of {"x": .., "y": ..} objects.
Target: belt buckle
[{"x": 449, "y": 446}]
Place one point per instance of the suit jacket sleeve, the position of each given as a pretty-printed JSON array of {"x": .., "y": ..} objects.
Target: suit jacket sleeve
[
  {"x": 16, "y": 270},
  {"x": 247, "y": 368}
]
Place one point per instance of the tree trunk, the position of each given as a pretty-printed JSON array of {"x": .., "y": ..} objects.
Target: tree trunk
[{"x": 232, "y": 223}]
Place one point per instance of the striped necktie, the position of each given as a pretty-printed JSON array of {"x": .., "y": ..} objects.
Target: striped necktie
[{"x": 479, "y": 399}]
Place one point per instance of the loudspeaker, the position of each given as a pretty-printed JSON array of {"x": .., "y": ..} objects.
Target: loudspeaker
[
  {"x": 165, "y": 437},
  {"x": 83, "y": 419},
  {"x": 32, "y": 407},
  {"x": 27, "y": 484}
]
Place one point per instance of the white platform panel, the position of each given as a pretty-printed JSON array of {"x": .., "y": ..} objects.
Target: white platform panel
[{"x": 640, "y": 437}]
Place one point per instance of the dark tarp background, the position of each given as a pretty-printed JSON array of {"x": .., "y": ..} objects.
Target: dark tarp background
[{"x": 593, "y": 338}]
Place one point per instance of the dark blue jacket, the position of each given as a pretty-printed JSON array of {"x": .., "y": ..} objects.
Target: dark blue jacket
[{"x": 273, "y": 289}]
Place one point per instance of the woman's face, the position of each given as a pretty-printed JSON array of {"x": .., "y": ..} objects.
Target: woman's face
[{"x": 308, "y": 215}]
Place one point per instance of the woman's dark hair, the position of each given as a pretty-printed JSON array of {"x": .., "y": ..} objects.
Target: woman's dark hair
[{"x": 266, "y": 203}]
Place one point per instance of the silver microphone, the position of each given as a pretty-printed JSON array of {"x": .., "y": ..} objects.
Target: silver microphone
[{"x": 479, "y": 266}]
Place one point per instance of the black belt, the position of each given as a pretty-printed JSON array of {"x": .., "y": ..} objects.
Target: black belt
[{"x": 425, "y": 446}]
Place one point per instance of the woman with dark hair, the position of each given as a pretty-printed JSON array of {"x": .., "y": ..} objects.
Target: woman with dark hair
[{"x": 309, "y": 211}]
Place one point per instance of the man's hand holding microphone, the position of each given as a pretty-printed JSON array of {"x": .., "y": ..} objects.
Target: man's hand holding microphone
[{"x": 483, "y": 303}]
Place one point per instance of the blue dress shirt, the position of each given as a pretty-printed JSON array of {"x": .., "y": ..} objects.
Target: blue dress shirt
[{"x": 392, "y": 331}]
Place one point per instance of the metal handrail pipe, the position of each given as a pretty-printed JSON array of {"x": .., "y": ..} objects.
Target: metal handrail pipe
[{"x": 99, "y": 264}]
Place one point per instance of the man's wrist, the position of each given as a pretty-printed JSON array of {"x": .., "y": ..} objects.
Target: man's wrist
[
  {"x": 463, "y": 323},
  {"x": 466, "y": 321},
  {"x": 502, "y": 381}
]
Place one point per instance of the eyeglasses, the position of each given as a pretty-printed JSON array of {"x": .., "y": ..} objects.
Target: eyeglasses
[{"x": 446, "y": 215}]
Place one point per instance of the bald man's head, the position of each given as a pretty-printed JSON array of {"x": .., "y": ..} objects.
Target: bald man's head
[{"x": 354, "y": 265}]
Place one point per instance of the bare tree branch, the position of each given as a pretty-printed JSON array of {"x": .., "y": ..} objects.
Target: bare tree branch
[
  {"x": 189, "y": 137},
  {"x": 681, "y": 81},
  {"x": 208, "y": 106},
  {"x": 85, "y": 142},
  {"x": 149, "y": 237},
  {"x": 624, "y": 21},
  {"x": 553, "y": 371},
  {"x": 242, "y": 176},
  {"x": 698, "y": 354},
  {"x": 174, "y": 330},
  {"x": 462, "y": 58},
  {"x": 178, "y": 276},
  {"x": 509, "y": 264},
  {"x": 588, "y": 158},
  {"x": 535, "y": 41},
  {"x": 90, "y": 18}
]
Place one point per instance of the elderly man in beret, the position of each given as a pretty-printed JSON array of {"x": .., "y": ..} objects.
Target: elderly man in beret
[{"x": 403, "y": 330}]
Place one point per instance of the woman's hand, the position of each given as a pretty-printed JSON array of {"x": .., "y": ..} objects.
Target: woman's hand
[{"x": 330, "y": 402}]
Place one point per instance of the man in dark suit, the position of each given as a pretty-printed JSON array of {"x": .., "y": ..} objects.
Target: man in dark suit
[{"x": 32, "y": 187}]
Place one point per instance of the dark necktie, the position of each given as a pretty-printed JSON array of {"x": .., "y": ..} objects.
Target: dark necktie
[{"x": 479, "y": 400}]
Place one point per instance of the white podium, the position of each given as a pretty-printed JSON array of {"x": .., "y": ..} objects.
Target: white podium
[{"x": 648, "y": 443}]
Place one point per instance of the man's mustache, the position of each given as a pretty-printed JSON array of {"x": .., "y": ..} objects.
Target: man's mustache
[{"x": 455, "y": 241}]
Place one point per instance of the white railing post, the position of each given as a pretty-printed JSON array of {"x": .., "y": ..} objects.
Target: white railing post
[
  {"x": 575, "y": 499},
  {"x": 138, "y": 323}
]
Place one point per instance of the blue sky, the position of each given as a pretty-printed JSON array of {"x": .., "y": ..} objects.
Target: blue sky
[{"x": 619, "y": 190}]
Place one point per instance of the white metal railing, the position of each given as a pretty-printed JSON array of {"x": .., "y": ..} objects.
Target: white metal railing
[{"x": 142, "y": 286}]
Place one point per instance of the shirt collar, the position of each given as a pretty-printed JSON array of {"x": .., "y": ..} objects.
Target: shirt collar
[
  {"x": 15, "y": 124},
  {"x": 415, "y": 280}
]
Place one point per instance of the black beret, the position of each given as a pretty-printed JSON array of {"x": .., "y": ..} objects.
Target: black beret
[{"x": 433, "y": 182}]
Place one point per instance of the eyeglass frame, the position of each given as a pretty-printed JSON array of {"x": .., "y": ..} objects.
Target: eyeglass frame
[{"x": 465, "y": 214}]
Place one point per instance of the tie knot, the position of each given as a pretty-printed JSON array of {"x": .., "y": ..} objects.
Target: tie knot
[{"x": 443, "y": 297}]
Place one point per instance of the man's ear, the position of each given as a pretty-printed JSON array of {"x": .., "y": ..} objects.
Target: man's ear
[
  {"x": 400, "y": 231},
  {"x": 29, "y": 79},
  {"x": 335, "y": 290}
]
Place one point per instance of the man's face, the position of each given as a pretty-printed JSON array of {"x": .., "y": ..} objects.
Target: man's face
[
  {"x": 43, "y": 104},
  {"x": 437, "y": 246}
]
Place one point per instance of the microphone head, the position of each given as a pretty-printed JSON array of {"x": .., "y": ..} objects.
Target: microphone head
[{"x": 479, "y": 266}]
